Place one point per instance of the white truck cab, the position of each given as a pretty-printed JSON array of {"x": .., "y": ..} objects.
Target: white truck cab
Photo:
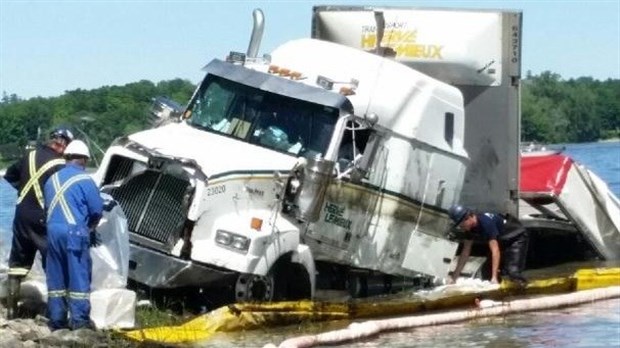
[{"x": 319, "y": 165}]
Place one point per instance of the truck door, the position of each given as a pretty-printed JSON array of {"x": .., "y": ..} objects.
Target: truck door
[{"x": 351, "y": 201}]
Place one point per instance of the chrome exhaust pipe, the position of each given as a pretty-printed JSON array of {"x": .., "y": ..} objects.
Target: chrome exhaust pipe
[{"x": 257, "y": 33}]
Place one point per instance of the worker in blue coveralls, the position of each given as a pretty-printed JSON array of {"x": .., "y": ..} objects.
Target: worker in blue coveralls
[
  {"x": 74, "y": 208},
  {"x": 507, "y": 239},
  {"x": 28, "y": 175}
]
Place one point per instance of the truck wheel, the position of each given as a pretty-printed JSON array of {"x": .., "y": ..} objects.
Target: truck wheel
[
  {"x": 298, "y": 284},
  {"x": 252, "y": 287},
  {"x": 357, "y": 285}
]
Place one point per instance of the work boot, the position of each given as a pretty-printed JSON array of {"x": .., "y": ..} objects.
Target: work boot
[{"x": 12, "y": 297}]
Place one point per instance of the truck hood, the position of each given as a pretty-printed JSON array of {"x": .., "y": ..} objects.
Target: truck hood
[{"x": 215, "y": 154}]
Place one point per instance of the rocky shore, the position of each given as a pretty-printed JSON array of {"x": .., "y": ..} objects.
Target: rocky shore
[{"x": 33, "y": 332}]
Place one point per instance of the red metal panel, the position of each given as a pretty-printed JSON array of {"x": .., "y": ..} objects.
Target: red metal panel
[{"x": 544, "y": 173}]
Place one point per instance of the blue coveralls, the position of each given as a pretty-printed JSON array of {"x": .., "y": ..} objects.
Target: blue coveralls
[{"x": 73, "y": 206}]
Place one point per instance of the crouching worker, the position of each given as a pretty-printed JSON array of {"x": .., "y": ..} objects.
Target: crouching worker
[
  {"x": 506, "y": 237},
  {"x": 74, "y": 208}
]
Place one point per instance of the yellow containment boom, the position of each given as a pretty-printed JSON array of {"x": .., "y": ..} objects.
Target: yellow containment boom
[{"x": 247, "y": 316}]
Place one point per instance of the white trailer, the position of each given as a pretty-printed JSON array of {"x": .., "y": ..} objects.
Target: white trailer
[
  {"x": 321, "y": 165},
  {"x": 477, "y": 51}
]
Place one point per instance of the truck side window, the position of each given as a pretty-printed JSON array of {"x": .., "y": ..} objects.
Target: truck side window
[
  {"x": 354, "y": 141},
  {"x": 448, "y": 131}
]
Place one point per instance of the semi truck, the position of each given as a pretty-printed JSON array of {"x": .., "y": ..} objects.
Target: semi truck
[{"x": 330, "y": 162}]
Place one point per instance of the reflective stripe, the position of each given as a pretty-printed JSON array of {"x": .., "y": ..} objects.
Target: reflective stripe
[
  {"x": 59, "y": 197},
  {"x": 57, "y": 293},
  {"x": 35, "y": 175},
  {"x": 18, "y": 271},
  {"x": 63, "y": 204},
  {"x": 79, "y": 295}
]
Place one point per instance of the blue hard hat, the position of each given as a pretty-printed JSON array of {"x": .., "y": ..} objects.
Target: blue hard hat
[
  {"x": 63, "y": 133},
  {"x": 457, "y": 213}
]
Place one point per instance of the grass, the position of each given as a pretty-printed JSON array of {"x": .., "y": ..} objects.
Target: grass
[{"x": 147, "y": 316}]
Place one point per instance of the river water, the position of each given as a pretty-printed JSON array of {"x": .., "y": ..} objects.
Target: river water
[{"x": 590, "y": 325}]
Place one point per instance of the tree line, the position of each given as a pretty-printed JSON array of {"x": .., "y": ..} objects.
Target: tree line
[
  {"x": 553, "y": 111},
  {"x": 97, "y": 116},
  {"x": 573, "y": 111}
]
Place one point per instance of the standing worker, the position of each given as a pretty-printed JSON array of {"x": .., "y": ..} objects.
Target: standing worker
[
  {"x": 74, "y": 208},
  {"x": 28, "y": 175},
  {"x": 506, "y": 236}
]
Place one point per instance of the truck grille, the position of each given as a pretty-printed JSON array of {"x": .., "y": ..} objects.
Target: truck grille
[{"x": 154, "y": 204}]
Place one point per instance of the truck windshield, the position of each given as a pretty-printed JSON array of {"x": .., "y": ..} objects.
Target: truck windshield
[{"x": 266, "y": 119}]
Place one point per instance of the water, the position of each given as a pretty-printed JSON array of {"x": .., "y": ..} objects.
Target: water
[
  {"x": 601, "y": 158},
  {"x": 590, "y": 325}
]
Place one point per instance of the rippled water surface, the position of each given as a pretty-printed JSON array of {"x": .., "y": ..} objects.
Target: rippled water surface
[{"x": 590, "y": 325}]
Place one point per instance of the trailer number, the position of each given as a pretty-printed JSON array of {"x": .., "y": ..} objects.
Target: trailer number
[{"x": 216, "y": 190}]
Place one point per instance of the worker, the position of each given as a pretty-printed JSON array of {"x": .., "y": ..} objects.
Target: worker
[
  {"x": 28, "y": 175},
  {"x": 74, "y": 208},
  {"x": 505, "y": 235}
]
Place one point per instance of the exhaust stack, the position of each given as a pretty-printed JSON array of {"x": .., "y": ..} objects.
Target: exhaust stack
[{"x": 257, "y": 33}]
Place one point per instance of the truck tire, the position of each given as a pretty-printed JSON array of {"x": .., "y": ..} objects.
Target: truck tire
[
  {"x": 297, "y": 283},
  {"x": 285, "y": 281},
  {"x": 252, "y": 287}
]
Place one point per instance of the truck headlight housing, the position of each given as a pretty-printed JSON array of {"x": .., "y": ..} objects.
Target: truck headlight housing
[
  {"x": 232, "y": 241},
  {"x": 223, "y": 238},
  {"x": 240, "y": 243}
]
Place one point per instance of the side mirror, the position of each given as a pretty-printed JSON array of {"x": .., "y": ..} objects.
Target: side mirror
[{"x": 164, "y": 110}]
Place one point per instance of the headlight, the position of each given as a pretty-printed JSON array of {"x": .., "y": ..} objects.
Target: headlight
[
  {"x": 223, "y": 238},
  {"x": 232, "y": 241},
  {"x": 240, "y": 243}
]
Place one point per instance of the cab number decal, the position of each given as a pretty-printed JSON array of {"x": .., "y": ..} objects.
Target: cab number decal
[{"x": 216, "y": 190}]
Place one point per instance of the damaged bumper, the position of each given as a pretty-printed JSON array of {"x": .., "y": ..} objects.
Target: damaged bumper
[{"x": 160, "y": 270}]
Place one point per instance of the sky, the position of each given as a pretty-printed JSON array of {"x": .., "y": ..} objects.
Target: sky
[{"x": 49, "y": 47}]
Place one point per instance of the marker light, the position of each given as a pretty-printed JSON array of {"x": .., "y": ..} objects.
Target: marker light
[
  {"x": 256, "y": 224},
  {"x": 344, "y": 90},
  {"x": 284, "y": 72},
  {"x": 295, "y": 75}
]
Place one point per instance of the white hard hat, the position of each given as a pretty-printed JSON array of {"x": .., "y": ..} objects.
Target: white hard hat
[{"x": 77, "y": 148}]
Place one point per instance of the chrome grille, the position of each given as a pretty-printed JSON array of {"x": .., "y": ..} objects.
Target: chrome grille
[
  {"x": 154, "y": 204},
  {"x": 122, "y": 167}
]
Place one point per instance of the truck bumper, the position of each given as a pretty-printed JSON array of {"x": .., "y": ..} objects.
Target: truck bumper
[{"x": 160, "y": 270}]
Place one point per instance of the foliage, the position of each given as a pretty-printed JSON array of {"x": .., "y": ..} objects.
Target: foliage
[
  {"x": 553, "y": 111},
  {"x": 97, "y": 116},
  {"x": 573, "y": 111}
]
